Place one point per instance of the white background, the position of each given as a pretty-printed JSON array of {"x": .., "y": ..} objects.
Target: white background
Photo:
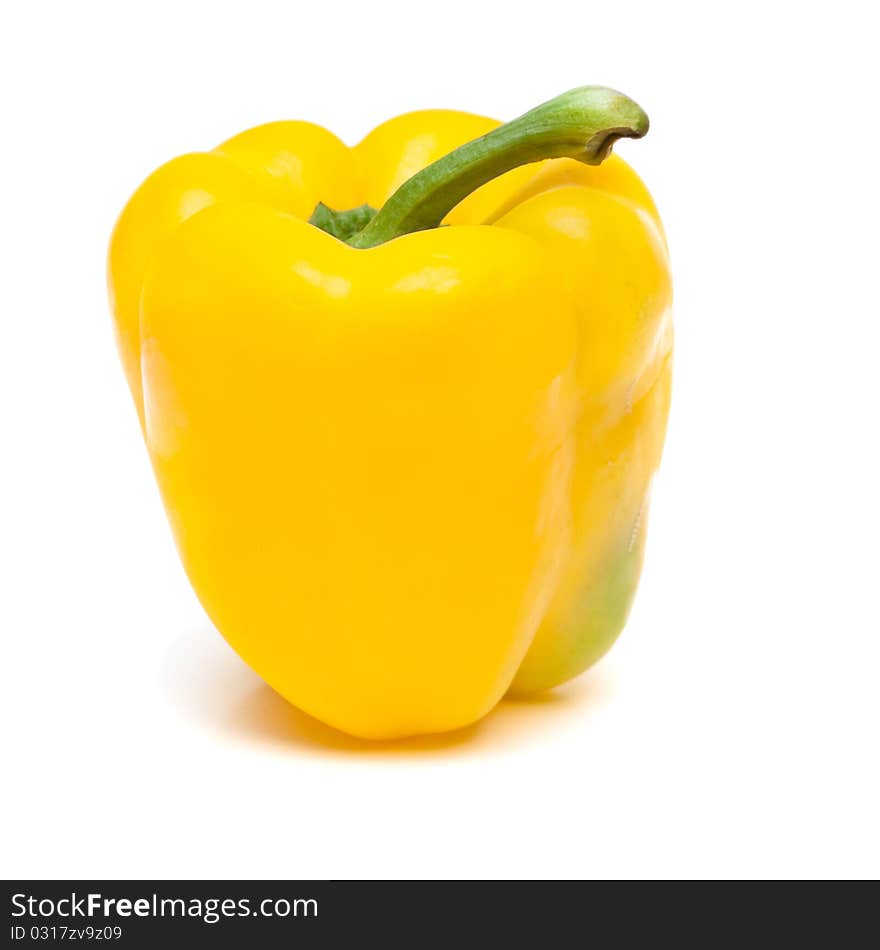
[{"x": 732, "y": 731}]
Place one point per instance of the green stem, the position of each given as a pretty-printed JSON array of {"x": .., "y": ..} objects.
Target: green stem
[{"x": 582, "y": 124}]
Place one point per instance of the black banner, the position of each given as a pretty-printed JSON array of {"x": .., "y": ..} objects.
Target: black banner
[{"x": 262, "y": 914}]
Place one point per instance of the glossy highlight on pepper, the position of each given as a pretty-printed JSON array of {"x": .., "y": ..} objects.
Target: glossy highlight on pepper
[{"x": 404, "y": 401}]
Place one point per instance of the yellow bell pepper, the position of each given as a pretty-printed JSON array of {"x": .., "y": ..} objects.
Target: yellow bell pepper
[{"x": 406, "y": 465}]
